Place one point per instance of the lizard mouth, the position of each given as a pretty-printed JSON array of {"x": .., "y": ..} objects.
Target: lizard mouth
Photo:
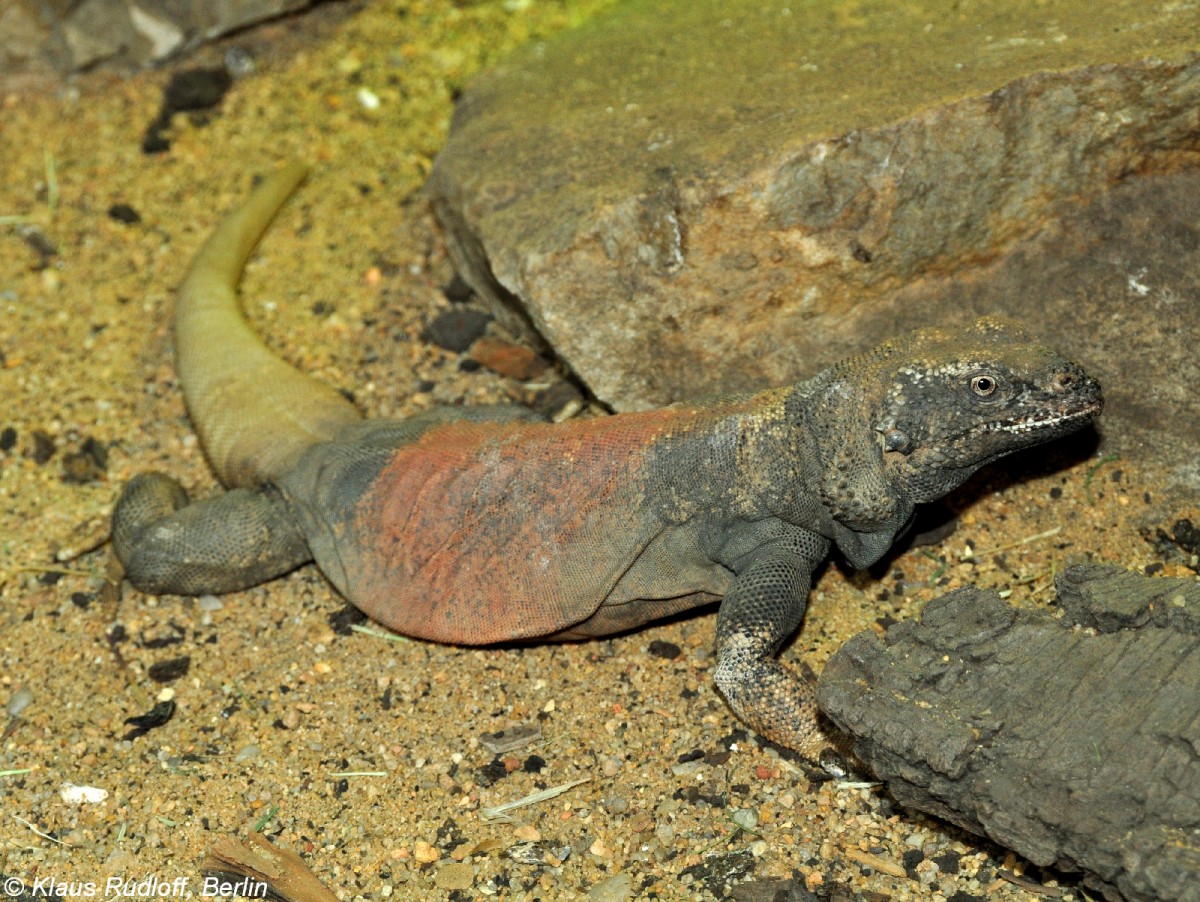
[{"x": 1043, "y": 420}]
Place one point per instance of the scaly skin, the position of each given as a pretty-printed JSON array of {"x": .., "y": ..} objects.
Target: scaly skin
[{"x": 482, "y": 525}]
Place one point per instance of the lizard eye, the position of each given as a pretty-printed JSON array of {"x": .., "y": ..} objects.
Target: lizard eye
[{"x": 983, "y": 385}]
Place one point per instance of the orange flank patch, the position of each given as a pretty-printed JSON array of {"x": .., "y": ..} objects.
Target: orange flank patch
[{"x": 486, "y": 532}]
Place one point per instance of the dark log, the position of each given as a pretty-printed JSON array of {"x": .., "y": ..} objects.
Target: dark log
[{"x": 1073, "y": 740}]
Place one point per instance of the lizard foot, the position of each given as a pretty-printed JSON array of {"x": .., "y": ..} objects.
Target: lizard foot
[{"x": 222, "y": 544}]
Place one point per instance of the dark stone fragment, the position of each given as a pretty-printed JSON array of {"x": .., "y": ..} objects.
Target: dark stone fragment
[
  {"x": 341, "y": 620},
  {"x": 340, "y": 787},
  {"x": 737, "y": 737},
  {"x": 534, "y": 764},
  {"x": 81, "y": 600},
  {"x": 449, "y": 835},
  {"x": 667, "y": 650},
  {"x": 189, "y": 91},
  {"x": 385, "y": 700},
  {"x": 718, "y": 871},
  {"x": 86, "y": 464},
  {"x": 165, "y": 641},
  {"x": 693, "y": 755},
  {"x": 170, "y": 670},
  {"x": 692, "y": 795},
  {"x": 1164, "y": 546},
  {"x": 40, "y": 245},
  {"x": 912, "y": 858},
  {"x": 457, "y": 291},
  {"x": 491, "y": 772},
  {"x": 155, "y": 717},
  {"x": 195, "y": 89},
  {"x": 468, "y": 365},
  {"x": 43, "y": 447},
  {"x": 559, "y": 402},
  {"x": 1187, "y": 536},
  {"x": 49, "y": 578},
  {"x": 8, "y": 438},
  {"x": 948, "y": 862},
  {"x": 1056, "y": 492},
  {"x": 124, "y": 213},
  {"x": 455, "y": 330}
]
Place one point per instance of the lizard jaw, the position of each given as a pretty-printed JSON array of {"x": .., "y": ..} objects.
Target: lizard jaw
[{"x": 1037, "y": 422}]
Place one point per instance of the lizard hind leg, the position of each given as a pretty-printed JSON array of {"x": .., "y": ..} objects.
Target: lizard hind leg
[{"x": 229, "y": 542}]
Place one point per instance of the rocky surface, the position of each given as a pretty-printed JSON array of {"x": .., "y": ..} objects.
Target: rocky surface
[
  {"x": 731, "y": 194},
  {"x": 1114, "y": 282},
  {"x": 1076, "y": 747},
  {"x": 71, "y": 35}
]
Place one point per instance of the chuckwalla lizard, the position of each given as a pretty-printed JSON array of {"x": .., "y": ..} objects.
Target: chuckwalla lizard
[{"x": 482, "y": 525}]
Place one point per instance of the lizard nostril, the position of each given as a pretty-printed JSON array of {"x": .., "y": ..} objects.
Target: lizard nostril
[{"x": 1062, "y": 382}]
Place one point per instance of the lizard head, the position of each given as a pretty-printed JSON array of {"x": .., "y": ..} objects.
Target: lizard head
[
  {"x": 954, "y": 401},
  {"x": 912, "y": 419}
]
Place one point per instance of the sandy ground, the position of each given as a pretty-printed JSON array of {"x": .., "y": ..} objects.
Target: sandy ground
[{"x": 362, "y": 752}]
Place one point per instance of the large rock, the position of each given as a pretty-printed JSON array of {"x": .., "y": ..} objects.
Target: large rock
[
  {"x": 37, "y": 36},
  {"x": 1073, "y": 740},
  {"x": 1115, "y": 283},
  {"x": 689, "y": 197}
]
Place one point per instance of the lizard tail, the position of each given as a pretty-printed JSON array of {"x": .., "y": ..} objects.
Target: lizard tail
[{"x": 254, "y": 413}]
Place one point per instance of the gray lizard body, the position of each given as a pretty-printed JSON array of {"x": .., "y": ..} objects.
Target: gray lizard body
[{"x": 481, "y": 525}]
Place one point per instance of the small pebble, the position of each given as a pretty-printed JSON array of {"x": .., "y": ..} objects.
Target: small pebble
[
  {"x": 745, "y": 818},
  {"x": 668, "y": 651},
  {"x": 82, "y": 795},
  {"x": 369, "y": 101},
  {"x": 687, "y": 768},
  {"x": 124, "y": 213},
  {"x": 239, "y": 62},
  {"x": 457, "y": 291},
  {"x": 247, "y": 753},
  {"x": 612, "y": 889},
  {"x": 120, "y": 861},
  {"x": 43, "y": 446},
  {"x": 209, "y": 603},
  {"x": 615, "y": 804},
  {"x": 457, "y": 329},
  {"x": 508, "y": 359},
  {"x": 455, "y": 876},
  {"x": 20, "y": 700}
]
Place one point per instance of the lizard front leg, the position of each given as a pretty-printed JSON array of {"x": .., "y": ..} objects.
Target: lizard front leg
[{"x": 765, "y": 607}]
